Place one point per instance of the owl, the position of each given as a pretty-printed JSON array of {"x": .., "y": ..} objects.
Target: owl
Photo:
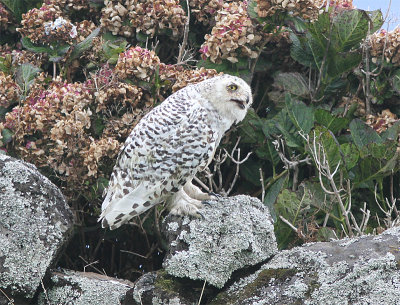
[{"x": 169, "y": 146}]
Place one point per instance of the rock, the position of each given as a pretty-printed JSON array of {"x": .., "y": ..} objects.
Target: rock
[
  {"x": 84, "y": 288},
  {"x": 363, "y": 270},
  {"x": 35, "y": 221},
  {"x": 162, "y": 289},
  {"x": 236, "y": 232}
]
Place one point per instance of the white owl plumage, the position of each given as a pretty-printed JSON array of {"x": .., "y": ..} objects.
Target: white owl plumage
[{"x": 169, "y": 145}]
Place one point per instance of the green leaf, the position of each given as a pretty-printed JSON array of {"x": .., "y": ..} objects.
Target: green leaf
[
  {"x": 285, "y": 126},
  {"x": 340, "y": 63},
  {"x": 300, "y": 51},
  {"x": 362, "y": 134},
  {"x": 331, "y": 122},
  {"x": 377, "y": 19},
  {"x": 249, "y": 170},
  {"x": 7, "y": 135},
  {"x": 251, "y": 129},
  {"x": 350, "y": 28},
  {"x": 25, "y": 76},
  {"x": 301, "y": 115},
  {"x": 395, "y": 81},
  {"x": 29, "y": 45},
  {"x": 350, "y": 155},
  {"x": 272, "y": 194},
  {"x": 294, "y": 83},
  {"x": 267, "y": 151},
  {"x": 83, "y": 45},
  {"x": 391, "y": 133}
]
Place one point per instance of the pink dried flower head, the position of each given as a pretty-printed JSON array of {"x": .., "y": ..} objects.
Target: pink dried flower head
[
  {"x": 154, "y": 17},
  {"x": 232, "y": 36},
  {"x": 137, "y": 63},
  {"x": 46, "y": 26},
  {"x": 9, "y": 90}
]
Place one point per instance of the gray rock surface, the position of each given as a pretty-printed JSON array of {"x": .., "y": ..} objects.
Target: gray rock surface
[
  {"x": 236, "y": 232},
  {"x": 34, "y": 224},
  {"x": 362, "y": 270},
  {"x": 84, "y": 288},
  {"x": 162, "y": 289}
]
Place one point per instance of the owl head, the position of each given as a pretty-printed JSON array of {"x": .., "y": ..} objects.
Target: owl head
[{"x": 229, "y": 95}]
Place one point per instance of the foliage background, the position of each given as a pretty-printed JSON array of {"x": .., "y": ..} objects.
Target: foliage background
[{"x": 320, "y": 147}]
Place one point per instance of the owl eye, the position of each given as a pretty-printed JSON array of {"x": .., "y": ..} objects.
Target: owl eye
[{"x": 233, "y": 87}]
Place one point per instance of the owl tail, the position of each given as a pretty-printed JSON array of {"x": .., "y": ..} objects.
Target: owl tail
[{"x": 119, "y": 211}]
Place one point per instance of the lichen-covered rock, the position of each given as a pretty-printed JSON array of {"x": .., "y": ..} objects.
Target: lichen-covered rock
[
  {"x": 236, "y": 232},
  {"x": 362, "y": 270},
  {"x": 84, "y": 288},
  {"x": 162, "y": 289},
  {"x": 35, "y": 221}
]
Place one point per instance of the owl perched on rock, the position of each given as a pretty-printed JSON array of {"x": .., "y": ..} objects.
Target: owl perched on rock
[{"x": 169, "y": 145}]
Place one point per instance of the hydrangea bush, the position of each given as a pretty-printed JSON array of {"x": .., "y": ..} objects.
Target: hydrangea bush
[{"x": 77, "y": 75}]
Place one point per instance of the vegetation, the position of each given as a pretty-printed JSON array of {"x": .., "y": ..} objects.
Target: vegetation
[{"x": 320, "y": 147}]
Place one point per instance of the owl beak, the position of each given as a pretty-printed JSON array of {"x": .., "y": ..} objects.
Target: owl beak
[{"x": 241, "y": 103}]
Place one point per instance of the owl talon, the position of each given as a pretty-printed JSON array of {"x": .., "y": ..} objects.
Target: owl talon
[
  {"x": 215, "y": 195},
  {"x": 206, "y": 202},
  {"x": 199, "y": 215}
]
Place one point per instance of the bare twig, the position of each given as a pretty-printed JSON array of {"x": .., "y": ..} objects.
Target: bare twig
[
  {"x": 291, "y": 226},
  {"x": 320, "y": 158},
  {"x": 45, "y": 291},
  {"x": 262, "y": 185},
  {"x": 11, "y": 301},
  {"x": 185, "y": 35},
  {"x": 202, "y": 184},
  {"x": 202, "y": 291},
  {"x": 91, "y": 265}
]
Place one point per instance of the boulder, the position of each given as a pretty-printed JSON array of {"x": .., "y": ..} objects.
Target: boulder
[
  {"x": 163, "y": 289},
  {"x": 35, "y": 222},
  {"x": 84, "y": 288},
  {"x": 235, "y": 233},
  {"x": 363, "y": 270}
]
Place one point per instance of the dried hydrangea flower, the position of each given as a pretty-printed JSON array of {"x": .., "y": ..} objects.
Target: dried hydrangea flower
[
  {"x": 46, "y": 26},
  {"x": 179, "y": 77},
  {"x": 232, "y": 36},
  {"x": 5, "y": 18},
  {"x": 204, "y": 11},
  {"x": 114, "y": 17},
  {"x": 60, "y": 25},
  {"x": 9, "y": 90},
  {"x": 386, "y": 44},
  {"x": 137, "y": 63},
  {"x": 382, "y": 121},
  {"x": 73, "y": 5},
  {"x": 153, "y": 17}
]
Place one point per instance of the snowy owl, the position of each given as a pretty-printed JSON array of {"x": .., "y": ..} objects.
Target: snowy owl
[{"x": 169, "y": 145}]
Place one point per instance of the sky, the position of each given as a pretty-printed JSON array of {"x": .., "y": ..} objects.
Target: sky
[{"x": 394, "y": 13}]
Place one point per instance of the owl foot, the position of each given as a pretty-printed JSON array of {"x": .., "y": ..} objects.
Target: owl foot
[
  {"x": 182, "y": 204},
  {"x": 195, "y": 193}
]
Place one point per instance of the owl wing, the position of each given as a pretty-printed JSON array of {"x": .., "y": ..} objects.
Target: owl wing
[{"x": 164, "y": 150}]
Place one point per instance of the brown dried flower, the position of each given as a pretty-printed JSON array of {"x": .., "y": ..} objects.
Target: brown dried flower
[
  {"x": 47, "y": 26},
  {"x": 9, "y": 90},
  {"x": 5, "y": 18},
  {"x": 386, "y": 44},
  {"x": 232, "y": 36},
  {"x": 154, "y": 17},
  {"x": 382, "y": 121},
  {"x": 114, "y": 17},
  {"x": 137, "y": 63},
  {"x": 179, "y": 77}
]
